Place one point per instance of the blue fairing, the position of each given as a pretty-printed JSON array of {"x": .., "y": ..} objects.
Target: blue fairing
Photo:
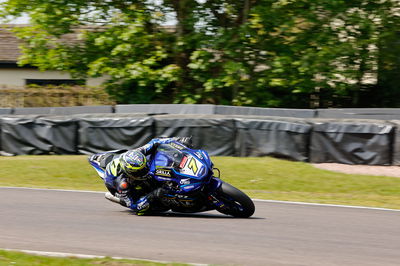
[
  {"x": 190, "y": 169},
  {"x": 97, "y": 167},
  {"x": 215, "y": 183}
]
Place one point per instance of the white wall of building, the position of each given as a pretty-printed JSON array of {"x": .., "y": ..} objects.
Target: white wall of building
[{"x": 16, "y": 77}]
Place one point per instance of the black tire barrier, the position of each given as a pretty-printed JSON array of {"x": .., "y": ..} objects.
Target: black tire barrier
[{"x": 301, "y": 139}]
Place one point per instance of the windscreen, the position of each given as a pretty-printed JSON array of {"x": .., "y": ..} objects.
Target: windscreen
[
  {"x": 168, "y": 156},
  {"x": 181, "y": 160}
]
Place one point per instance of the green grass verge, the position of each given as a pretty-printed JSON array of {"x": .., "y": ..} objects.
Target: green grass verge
[
  {"x": 23, "y": 259},
  {"x": 263, "y": 178}
]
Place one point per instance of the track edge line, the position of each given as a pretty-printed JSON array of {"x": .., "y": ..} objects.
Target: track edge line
[{"x": 261, "y": 200}]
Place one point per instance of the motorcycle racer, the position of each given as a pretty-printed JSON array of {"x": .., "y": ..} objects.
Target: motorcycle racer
[{"x": 126, "y": 174}]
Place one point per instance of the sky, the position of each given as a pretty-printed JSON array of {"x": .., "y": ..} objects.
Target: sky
[
  {"x": 25, "y": 19},
  {"x": 22, "y": 20}
]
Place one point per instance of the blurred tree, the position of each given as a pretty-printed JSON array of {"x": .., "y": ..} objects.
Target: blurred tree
[
  {"x": 273, "y": 53},
  {"x": 123, "y": 40},
  {"x": 300, "y": 53},
  {"x": 387, "y": 91}
]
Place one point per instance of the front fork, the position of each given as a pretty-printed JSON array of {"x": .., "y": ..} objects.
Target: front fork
[
  {"x": 214, "y": 185},
  {"x": 216, "y": 203}
]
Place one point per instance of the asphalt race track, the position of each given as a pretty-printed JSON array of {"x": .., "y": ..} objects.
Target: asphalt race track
[{"x": 278, "y": 234}]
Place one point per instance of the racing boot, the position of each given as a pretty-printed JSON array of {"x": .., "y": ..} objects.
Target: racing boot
[
  {"x": 122, "y": 199},
  {"x": 112, "y": 198}
]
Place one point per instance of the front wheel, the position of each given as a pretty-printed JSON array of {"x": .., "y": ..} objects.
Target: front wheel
[{"x": 236, "y": 203}]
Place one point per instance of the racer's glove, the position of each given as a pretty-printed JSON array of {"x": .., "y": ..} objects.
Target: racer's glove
[
  {"x": 141, "y": 206},
  {"x": 187, "y": 141}
]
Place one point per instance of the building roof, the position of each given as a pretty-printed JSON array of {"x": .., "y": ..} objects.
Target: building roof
[
  {"x": 9, "y": 43},
  {"x": 9, "y": 50}
]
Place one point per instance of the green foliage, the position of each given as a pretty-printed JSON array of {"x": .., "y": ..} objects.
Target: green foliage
[{"x": 285, "y": 53}]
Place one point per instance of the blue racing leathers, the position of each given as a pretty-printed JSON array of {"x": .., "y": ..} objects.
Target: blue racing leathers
[{"x": 132, "y": 193}]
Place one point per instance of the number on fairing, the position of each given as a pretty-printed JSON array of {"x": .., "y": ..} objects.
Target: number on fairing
[
  {"x": 190, "y": 166},
  {"x": 193, "y": 166}
]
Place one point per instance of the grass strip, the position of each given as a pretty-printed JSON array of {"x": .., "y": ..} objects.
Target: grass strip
[
  {"x": 261, "y": 177},
  {"x": 23, "y": 259}
]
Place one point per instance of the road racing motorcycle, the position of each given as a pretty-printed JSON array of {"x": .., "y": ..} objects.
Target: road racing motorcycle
[{"x": 189, "y": 176}]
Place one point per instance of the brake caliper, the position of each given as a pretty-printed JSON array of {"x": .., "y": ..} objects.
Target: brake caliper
[{"x": 216, "y": 202}]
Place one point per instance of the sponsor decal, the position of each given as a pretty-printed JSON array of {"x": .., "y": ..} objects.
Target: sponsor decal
[
  {"x": 199, "y": 155},
  {"x": 177, "y": 146},
  {"x": 185, "y": 181},
  {"x": 163, "y": 172},
  {"x": 164, "y": 178},
  {"x": 183, "y": 162}
]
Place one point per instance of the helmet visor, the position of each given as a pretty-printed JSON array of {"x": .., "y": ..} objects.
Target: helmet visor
[{"x": 137, "y": 173}]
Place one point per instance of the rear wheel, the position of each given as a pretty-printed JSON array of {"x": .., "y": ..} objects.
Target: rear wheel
[{"x": 236, "y": 203}]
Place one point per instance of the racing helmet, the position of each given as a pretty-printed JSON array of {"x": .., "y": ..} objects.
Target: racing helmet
[{"x": 134, "y": 164}]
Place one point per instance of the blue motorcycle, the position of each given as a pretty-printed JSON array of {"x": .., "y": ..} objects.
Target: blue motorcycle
[{"x": 188, "y": 175}]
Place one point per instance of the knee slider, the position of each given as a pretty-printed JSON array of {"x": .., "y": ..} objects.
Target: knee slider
[{"x": 123, "y": 186}]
